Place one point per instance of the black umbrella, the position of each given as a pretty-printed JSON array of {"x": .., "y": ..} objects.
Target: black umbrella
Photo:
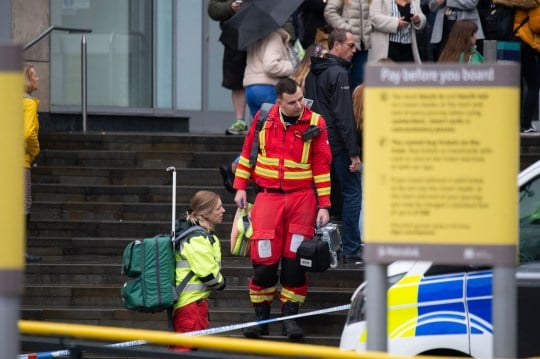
[{"x": 255, "y": 20}]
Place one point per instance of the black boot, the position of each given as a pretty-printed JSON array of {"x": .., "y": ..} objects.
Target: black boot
[
  {"x": 290, "y": 327},
  {"x": 262, "y": 312}
]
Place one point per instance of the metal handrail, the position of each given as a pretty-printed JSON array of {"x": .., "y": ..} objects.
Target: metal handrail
[{"x": 72, "y": 30}]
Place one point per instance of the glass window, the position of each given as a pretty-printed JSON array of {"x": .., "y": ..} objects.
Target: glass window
[
  {"x": 164, "y": 54},
  {"x": 119, "y": 52},
  {"x": 529, "y": 221},
  {"x": 189, "y": 52},
  {"x": 219, "y": 98}
]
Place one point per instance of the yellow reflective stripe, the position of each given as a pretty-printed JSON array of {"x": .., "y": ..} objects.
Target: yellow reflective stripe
[
  {"x": 293, "y": 164},
  {"x": 307, "y": 145},
  {"x": 287, "y": 295},
  {"x": 262, "y": 140},
  {"x": 268, "y": 161},
  {"x": 266, "y": 172},
  {"x": 298, "y": 175},
  {"x": 305, "y": 151},
  {"x": 314, "y": 118},
  {"x": 323, "y": 191},
  {"x": 263, "y": 295},
  {"x": 260, "y": 298},
  {"x": 322, "y": 178},
  {"x": 242, "y": 173},
  {"x": 402, "y": 301},
  {"x": 244, "y": 161}
]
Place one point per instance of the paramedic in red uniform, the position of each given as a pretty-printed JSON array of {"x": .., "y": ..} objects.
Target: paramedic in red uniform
[{"x": 293, "y": 174}]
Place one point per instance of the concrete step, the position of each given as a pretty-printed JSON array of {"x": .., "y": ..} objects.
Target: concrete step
[
  {"x": 132, "y": 159},
  {"x": 101, "y": 296},
  {"x": 104, "y": 271},
  {"x": 96, "y": 211},
  {"x": 107, "y": 228},
  {"x": 84, "y": 176},
  {"x": 42, "y": 192},
  {"x": 141, "y": 142},
  {"x": 92, "y": 249}
]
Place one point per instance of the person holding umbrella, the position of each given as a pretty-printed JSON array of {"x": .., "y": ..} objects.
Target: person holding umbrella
[{"x": 234, "y": 63}]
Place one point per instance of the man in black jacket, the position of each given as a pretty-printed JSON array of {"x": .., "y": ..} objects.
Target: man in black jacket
[{"x": 328, "y": 84}]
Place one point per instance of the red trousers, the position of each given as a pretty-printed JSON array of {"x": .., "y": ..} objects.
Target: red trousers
[
  {"x": 189, "y": 318},
  {"x": 281, "y": 221}
]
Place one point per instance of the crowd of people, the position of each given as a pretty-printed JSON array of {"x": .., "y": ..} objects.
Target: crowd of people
[
  {"x": 398, "y": 30},
  {"x": 304, "y": 157}
]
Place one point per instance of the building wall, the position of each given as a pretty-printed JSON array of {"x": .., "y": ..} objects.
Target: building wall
[{"x": 29, "y": 19}]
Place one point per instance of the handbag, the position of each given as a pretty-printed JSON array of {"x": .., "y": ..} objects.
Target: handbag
[{"x": 313, "y": 255}]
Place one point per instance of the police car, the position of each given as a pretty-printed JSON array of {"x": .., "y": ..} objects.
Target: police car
[{"x": 446, "y": 310}]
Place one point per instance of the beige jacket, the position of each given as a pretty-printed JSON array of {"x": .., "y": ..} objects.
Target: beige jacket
[
  {"x": 354, "y": 18},
  {"x": 268, "y": 59}
]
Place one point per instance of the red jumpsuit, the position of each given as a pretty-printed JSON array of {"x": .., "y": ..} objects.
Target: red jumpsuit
[{"x": 294, "y": 177}]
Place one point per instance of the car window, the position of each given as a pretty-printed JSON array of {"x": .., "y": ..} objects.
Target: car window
[{"x": 529, "y": 221}]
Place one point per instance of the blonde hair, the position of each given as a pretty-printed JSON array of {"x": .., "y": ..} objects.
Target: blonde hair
[
  {"x": 358, "y": 106},
  {"x": 303, "y": 68},
  {"x": 28, "y": 87},
  {"x": 202, "y": 203}
]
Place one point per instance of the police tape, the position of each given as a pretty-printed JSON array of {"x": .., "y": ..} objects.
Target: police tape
[{"x": 210, "y": 331}]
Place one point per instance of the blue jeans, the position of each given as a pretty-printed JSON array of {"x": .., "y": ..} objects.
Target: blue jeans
[
  {"x": 357, "y": 68},
  {"x": 351, "y": 191},
  {"x": 256, "y": 95}
]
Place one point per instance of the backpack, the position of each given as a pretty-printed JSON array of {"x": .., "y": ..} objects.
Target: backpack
[{"x": 152, "y": 265}]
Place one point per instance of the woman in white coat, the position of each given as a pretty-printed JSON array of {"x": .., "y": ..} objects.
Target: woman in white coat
[{"x": 395, "y": 23}]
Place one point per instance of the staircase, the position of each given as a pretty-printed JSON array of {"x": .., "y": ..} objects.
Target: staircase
[{"x": 94, "y": 193}]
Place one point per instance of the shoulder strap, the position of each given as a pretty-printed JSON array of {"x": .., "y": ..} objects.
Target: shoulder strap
[
  {"x": 180, "y": 287},
  {"x": 263, "y": 114},
  {"x": 520, "y": 26}
]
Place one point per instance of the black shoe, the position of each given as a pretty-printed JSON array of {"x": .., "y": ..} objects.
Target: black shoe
[
  {"x": 262, "y": 312},
  {"x": 291, "y": 329},
  {"x": 352, "y": 260},
  {"x": 32, "y": 259},
  {"x": 228, "y": 177}
]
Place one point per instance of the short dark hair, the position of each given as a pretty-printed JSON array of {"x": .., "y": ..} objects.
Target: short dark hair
[
  {"x": 338, "y": 35},
  {"x": 286, "y": 85}
]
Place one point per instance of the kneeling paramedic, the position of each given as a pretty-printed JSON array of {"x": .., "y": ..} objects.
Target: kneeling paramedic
[
  {"x": 198, "y": 262},
  {"x": 290, "y": 164}
]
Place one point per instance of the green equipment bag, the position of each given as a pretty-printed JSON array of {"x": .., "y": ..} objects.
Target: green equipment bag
[{"x": 152, "y": 264}]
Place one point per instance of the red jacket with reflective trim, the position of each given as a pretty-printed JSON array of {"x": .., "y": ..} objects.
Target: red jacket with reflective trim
[{"x": 284, "y": 160}]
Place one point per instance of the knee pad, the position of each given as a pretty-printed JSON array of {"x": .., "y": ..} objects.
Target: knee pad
[
  {"x": 265, "y": 275},
  {"x": 292, "y": 275}
]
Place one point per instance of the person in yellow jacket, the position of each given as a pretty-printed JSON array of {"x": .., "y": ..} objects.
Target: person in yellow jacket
[
  {"x": 31, "y": 141},
  {"x": 199, "y": 257},
  {"x": 527, "y": 29}
]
